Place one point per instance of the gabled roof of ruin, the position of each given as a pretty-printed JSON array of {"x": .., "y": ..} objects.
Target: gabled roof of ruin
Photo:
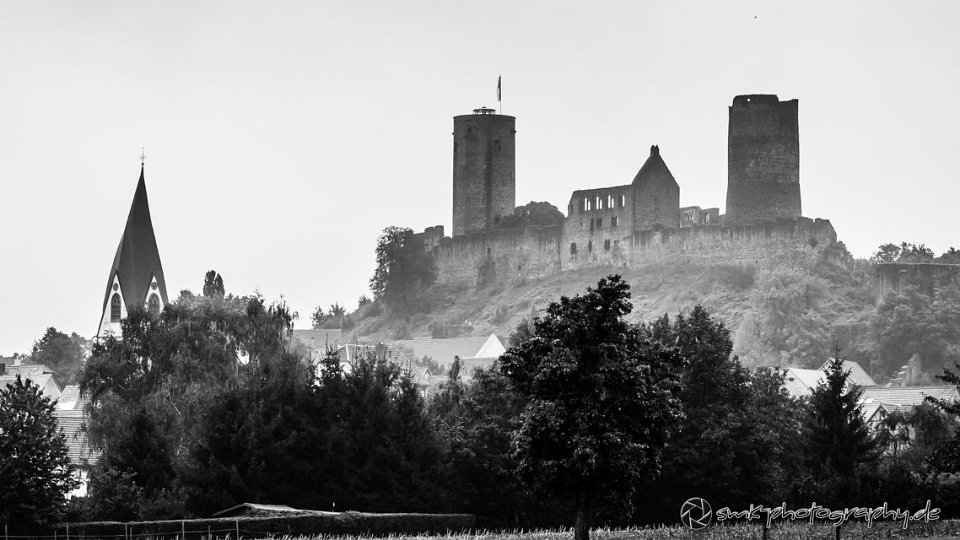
[
  {"x": 652, "y": 167},
  {"x": 137, "y": 258}
]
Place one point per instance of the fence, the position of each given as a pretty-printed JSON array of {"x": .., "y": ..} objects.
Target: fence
[{"x": 327, "y": 523}]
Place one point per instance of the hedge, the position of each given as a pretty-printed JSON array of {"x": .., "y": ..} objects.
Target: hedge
[{"x": 329, "y": 523}]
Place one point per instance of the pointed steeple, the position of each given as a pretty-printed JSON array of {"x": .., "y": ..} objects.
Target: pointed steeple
[{"x": 136, "y": 273}]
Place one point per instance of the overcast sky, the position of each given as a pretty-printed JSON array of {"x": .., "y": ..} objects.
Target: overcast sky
[{"x": 282, "y": 137}]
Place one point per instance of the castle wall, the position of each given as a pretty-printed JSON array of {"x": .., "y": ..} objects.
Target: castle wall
[
  {"x": 507, "y": 253},
  {"x": 484, "y": 169},
  {"x": 893, "y": 277},
  {"x": 763, "y": 160},
  {"x": 802, "y": 241}
]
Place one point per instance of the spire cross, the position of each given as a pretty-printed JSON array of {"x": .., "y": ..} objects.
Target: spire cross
[{"x": 143, "y": 156}]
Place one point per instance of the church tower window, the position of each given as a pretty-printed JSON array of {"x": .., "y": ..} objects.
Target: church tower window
[{"x": 115, "y": 308}]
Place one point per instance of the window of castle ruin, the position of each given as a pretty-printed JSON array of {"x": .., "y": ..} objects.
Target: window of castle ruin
[
  {"x": 614, "y": 221},
  {"x": 606, "y": 245},
  {"x": 623, "y": 201},
  {"x": 609, "y": 201},
  {"x": 573, "y": 248},
  {"x": 590, "y": 246},
  {"x": 599, "y": 223},
  {"x": 596, "y": 201}
]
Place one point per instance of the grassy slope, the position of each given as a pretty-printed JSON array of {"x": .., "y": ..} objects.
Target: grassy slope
[{"x": 727, "y": 291}]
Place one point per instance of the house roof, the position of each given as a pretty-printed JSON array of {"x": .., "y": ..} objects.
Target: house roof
[
  {"x": 442, "y": 351},
  {"x": 906, "y": 396},
  {"x": 41, "y": 379},
  {"x": 319, "y": 338},
  {"x": 263, "y": 510},
  {"x": 78, "y": 445},
  {"x": 137, "y": 259},
  {"x": 857, "y": 375},
  {"x": 801, "y": 382},
  {"x": 70, "y": 398},
  {"x": 653, "y": 165}
]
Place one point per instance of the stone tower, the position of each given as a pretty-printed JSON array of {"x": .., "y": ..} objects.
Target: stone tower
[
  {"x": 763, "y": 160},
  {"x": 484, "y": 170},
  {"x": 136, "y": 276}
]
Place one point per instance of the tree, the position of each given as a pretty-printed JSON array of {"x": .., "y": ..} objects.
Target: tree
[
  {"x": 35, "y": 469},
  {"x": 599, "y": 399},
  {"x": 62, "y": 353},
  {"x": 213, "y": 285},
  {"x": 837, "y": 435},
  {"x": 319, "y": 317},
  {"x": 738, "y": 431},
  {"x": 541, "y": 214},
  {"x": 404, "y": 269}
]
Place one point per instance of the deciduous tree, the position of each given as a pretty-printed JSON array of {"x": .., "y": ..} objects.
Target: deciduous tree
[{"x": 599, "y": 399}]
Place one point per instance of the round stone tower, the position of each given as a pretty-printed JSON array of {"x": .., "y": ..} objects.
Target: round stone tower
[
  {"x": 484, "y": 170},
  {"x": 763, "y": 160}
]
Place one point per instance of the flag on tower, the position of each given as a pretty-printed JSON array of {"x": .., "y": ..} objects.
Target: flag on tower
[{"x": 498, "y": 87}]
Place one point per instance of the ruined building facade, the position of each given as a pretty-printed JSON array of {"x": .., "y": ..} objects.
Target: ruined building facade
[{"x": 632, "y": 223}]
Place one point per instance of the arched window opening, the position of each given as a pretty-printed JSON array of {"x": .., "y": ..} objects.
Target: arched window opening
[
  {"x": 590, "y": 246},
  {"x": 606, "y": 245},
  {"x": 115, "y": 308},
  {"x": 573, "y": 248},
  {"x": 623, "y": 201},
  {"x": 153, "y": 305}
]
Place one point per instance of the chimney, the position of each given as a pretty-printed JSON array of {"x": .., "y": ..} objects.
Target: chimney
[{"x": 654, "y": 150}]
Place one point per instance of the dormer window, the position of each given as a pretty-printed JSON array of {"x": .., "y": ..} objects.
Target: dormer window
[{"x": 115, "y": 308}]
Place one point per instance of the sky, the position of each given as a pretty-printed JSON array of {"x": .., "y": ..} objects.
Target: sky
[{"x": 282, "y": 137}]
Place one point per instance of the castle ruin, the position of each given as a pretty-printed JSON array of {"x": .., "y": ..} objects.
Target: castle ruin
[{"x": 633, "y": 223}]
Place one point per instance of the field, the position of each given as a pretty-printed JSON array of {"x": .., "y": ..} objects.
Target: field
[{"x": 938, "y": 530}]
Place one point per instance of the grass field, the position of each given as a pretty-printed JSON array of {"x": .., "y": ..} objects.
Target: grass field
[{"x": 786, "y": 531}]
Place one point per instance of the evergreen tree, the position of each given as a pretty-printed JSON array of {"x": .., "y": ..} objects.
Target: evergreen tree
[
  {"x": 35, "y": 470},
  {"x": 213, "y": 285},
  {"x": 837, "y": 436}
]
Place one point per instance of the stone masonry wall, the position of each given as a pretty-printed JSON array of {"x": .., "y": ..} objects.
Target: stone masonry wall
[
  {"x": 893, "y": 277},
  {"x": 511, "y": 253},
  {"x": 540, "y": 251},
  {"x": 484, "y": 183},
  {"x": 763, "y": 160}
]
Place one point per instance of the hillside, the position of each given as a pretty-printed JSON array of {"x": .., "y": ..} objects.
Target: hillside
[{"x": 777, "y": 315}]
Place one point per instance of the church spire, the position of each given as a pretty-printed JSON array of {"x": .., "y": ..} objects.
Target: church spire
[{"x": 136, "y": 275}]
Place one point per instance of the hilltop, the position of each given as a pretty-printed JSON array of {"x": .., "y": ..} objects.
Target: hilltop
[{"x": 777, "y": 315}]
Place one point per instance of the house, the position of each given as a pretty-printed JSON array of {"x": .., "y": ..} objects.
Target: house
[
  {"x": 878, "y": 402},
  {"x": 474, "y": 352},
  {"x": 316, "y": 341},
  {"x": 40, "y": 374},
  {"x": 71, "y": 417},
  {"x": 802, "y": 382}
]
